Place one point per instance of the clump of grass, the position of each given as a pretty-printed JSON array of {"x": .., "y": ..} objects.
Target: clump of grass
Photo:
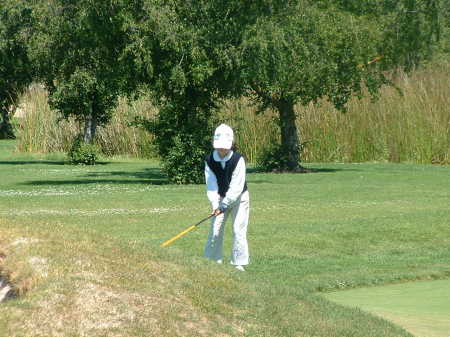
[{"x": 93, "y": 289}]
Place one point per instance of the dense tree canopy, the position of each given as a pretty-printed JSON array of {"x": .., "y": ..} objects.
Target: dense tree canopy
[
  {"x": 78, "y": 47},
  {"x": 320, "y": 50},
  {"x": 192, "y": 47},
  {"x": 189, "y": 55},
  {"x": 280, "y": 53},
  {"x": 15, "y": 68}
]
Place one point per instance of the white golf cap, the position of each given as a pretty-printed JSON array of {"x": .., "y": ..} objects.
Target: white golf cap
[{"x": 223, "y": 137}]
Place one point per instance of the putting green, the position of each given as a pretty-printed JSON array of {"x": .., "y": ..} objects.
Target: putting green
[{"x": 422, "y": 308}]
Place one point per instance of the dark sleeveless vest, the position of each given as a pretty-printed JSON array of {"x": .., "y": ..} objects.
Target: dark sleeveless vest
[{"x": 223, "y": 176}]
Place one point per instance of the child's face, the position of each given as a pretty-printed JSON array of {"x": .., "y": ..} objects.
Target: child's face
[{"x": 223, "y": 152}]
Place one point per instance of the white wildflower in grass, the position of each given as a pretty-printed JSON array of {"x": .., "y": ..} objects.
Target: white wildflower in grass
[
  {"x": 93, "y": 189},
  {"x": 82, "y": 212},
  {"x": 36, "y": 193},
  {"x": 23, "y": 241}
]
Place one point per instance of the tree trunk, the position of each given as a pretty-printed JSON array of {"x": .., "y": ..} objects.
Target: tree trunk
[
  {"x": 90, "y": 128},
  {"x": 290, "y": 147},
  {"x": 6, "y": 128}
]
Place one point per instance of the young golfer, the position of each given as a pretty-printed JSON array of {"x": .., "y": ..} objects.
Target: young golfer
[{"x": 227, "y": 192}]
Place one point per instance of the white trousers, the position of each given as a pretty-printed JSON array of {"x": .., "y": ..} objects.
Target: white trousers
[{"x": 239, "y": 212}]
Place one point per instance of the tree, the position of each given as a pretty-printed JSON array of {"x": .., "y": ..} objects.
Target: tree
[
  {"x": 444, "y": 10},
  {"x": 192, "y": 49},
  {"x": 79, "y": 47},
  {"x": 15, "y": 68},
  {"x": 320, "y": 50}
]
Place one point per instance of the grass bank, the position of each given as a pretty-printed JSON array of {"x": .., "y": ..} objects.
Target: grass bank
[{"x": 87, "y": 240}]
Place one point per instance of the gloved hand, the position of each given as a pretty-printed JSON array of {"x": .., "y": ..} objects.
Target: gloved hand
[{"x": 217, "y": 212}]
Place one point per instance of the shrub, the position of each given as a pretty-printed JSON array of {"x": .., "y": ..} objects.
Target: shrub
[
  {"x": 82, "y": 153},
  {"x": 272, "y": 159},
  {"x": 184, "y": 163},
  {"x": 275, "y": 159}
]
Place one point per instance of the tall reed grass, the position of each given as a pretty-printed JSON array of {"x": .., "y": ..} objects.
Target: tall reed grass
[
  {"x": 412, "y": 127},
  {"x": 41, "y": 130},
  {"x": 254, "y": 131}
]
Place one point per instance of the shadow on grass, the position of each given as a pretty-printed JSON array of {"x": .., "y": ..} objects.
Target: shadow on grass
[
  {"x": 327, "y": 170},
  {"x": 32, "y": 162},
  {"x": 308, "y": 170},
  {"x": 150, "y": 176},
  {"x": 255, "y": 180},
  {"x": 44, "y": 162}
]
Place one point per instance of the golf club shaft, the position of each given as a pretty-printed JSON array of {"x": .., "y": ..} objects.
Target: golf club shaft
[
  {"x": 376, "y": 59},
  {"x": 187, "y": 230}
]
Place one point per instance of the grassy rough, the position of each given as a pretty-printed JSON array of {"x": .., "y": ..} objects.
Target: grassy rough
[{"x": 89, "y": 238}]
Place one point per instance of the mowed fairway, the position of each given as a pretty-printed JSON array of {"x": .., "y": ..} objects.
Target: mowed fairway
[
  {"x": 423, "y": 308},
  {"x": 85, "y": 241}
]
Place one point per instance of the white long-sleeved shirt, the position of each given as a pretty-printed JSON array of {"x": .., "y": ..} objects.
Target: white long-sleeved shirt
[{"x": 236, "y": 185}]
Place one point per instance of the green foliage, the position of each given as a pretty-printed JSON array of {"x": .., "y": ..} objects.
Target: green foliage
[
  {"x": 195, "y": 61},
  {"x": 273, "y": 159},
  {"x": 192, "y": 54},
  {"x": 82, "y": 153},
  {"x": 309, "y": 54},
  {"x": 185, "y": 160},
  {"x": 15, "y": 69},
  {"x": 78, "y": 48},
  {"x": 444, "y": 11},
  {"x": 182, "y": 142},
  {"x": 403, "y": 31},
  {"x": 318, "y": 50},
  {"x": 81, "y": 96}
]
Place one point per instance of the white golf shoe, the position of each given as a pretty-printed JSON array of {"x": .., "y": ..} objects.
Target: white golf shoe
[{"x": 241, "y": 268}]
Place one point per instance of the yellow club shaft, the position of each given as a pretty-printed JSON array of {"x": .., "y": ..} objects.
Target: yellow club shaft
[
  {"x": 187, "y": 230},
  {"x": 376, "y": 59}
]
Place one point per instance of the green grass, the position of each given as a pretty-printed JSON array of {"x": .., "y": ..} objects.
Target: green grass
[
  {"x": 423, "y": 308},
  {"x": 85, "y": 241}
]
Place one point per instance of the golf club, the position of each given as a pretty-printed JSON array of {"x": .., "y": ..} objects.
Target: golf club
[{"x": 187, "y": 230}]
